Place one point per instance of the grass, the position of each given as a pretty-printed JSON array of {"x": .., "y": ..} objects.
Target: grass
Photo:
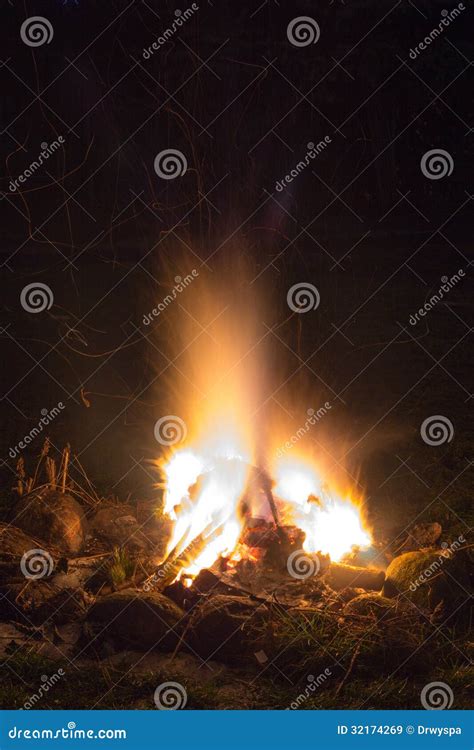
[
  {"x": 385, "y": 662},
  {"x": 121, "y": 567},
  {"x": 112, "y": 688}
]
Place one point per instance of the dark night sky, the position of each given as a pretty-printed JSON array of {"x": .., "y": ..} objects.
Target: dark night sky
[{"x": 362, "y": 222}]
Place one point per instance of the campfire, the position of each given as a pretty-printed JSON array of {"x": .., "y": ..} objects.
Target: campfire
[
  {"x": 232, "y": 492},
  {"x": 226, "y": 510}
]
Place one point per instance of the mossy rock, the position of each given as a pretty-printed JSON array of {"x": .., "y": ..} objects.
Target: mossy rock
[
  {"x": 429, "y": 577},
  {"x": 144, "y": 620},
  {"x": 370, "y": 605}
]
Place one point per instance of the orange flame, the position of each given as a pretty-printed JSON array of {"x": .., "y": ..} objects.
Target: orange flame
[
  {"x": 204, "y": 494},
  {"x": 220, "y": 395}
]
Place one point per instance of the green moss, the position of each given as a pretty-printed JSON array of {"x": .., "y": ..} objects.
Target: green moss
[
  {"x": 369, "y": 605},
  {"x": 426, "y": 577}
]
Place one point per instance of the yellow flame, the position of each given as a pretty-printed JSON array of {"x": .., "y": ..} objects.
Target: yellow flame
[
  {"x": 221, "y": 390},
  {"x": 332, "y": 523},
  {"x": 203, "y": 491},
  {"x": 204, "y": 494}
]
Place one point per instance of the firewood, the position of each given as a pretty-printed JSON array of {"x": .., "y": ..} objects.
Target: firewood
[
  {"x": 172, "y": 566},
  {"x": 339, "y": 576},
  {"x": 265, "y": 483}
]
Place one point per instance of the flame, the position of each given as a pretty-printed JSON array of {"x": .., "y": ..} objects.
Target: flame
[
  {"x": 204, "y": 497},
  {"x": 222, "y": 395},
  {"x": 332, "y": 523}
]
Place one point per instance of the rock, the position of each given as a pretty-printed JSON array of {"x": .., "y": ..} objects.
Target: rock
[
  {"x": 143, "y": 620},
  {"x": 349, "y": 593},
  {"x": 39, "y": 602},
  {"x": 14, "y": 544},
  {"x": 339, "y": 576},
  {"x": 54, "y": 517},
  {"x": 82, "y": 572},
  {"x": 228, "y": 629},
  {"x": 422, "y": 535},
  {"x": 157, "y": 528},
  {"x": 12, "y": 637},
  {"x": 370, "y": 605},
  {"x": 207, "y": 581},
  {"x": 118, "y": 527},
  {"x": 308, "y": 589},
  {"x": 428, "y": 577},
  {"x": 48, "y": 646}
]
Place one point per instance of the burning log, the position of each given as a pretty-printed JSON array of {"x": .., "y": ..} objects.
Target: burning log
[
  {"x": 282, "y": 546},
  {"x": 264, "y": 534},
  {"x": 236, "y": 495},
  {"x": 266, "y": 484},
  {"x": 170, "y": 568}
]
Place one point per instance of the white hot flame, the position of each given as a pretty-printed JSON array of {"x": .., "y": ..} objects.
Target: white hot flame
[{"x": 203, "y": 496}]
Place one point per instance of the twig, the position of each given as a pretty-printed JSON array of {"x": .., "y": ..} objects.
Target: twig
[
  {"x": 44, "y": 452},
  {"x": 94, "y": 496},
  {"x": 181, "y": 638},
  {"x": 20, "y": 467},
  {"x": 51, "y": 472},
  {"x": 351, "y": 665},
  {"x": 66, "y": 453},
  {"x": 266, "y": 485}
]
